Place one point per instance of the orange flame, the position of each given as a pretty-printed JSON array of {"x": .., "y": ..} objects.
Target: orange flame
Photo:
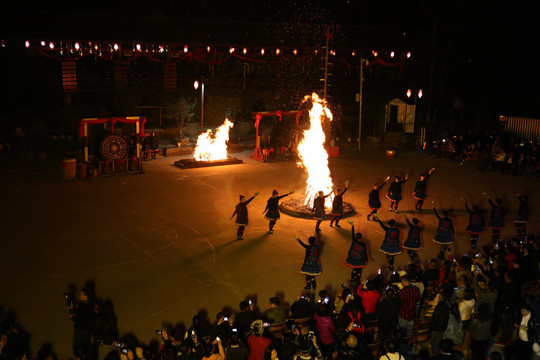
[
  {"x": 210, "y": 149},
  {"x": 313, "y": 155}
]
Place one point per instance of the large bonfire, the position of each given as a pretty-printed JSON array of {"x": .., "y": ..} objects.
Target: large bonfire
[
  {"x": 211, "y": 148},
  {"x": 313, "y": 155}
]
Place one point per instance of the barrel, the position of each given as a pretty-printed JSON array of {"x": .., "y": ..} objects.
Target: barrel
[{"x": 69, "y": 168}]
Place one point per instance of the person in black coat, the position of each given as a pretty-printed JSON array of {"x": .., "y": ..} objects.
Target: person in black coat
[
  {"x": 241, "y": 213},
  {"x": 310, "y": 267},
  {"x": 413, "y": 242},
  {"x": 374, "y": 200},
  {"x": 496, "y": 220},
  {"x": 522, "y": 216},
  {"x": 394, "y": 192},
  {"x": 319, "y": 211},
  {"x": 439, "y": 322},
  {"x": 337, "y": 205},
  {"x": 271, "y": 210},
  {"x": 420, "y": 192},
  {"x": 476, "y": 225},
  {"x": 357, "y": 255}
]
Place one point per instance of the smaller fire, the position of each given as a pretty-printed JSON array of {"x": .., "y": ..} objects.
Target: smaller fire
[{"x": 210, "y": 148}]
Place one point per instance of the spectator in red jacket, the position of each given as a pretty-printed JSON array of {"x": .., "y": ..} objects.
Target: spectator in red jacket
[{"x": 369, "y": 297}]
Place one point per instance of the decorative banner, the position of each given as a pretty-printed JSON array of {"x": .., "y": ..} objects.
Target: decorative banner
[{"x": 69, "y": 76}]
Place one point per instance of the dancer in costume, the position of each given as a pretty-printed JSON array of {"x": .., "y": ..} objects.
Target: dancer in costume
[
  {"x": 337, "y": 205},
  {"x": 390, "y": 245},
  {"x": 522, "y": 216},
  {"x": 271, "y": 210},
  {"x": 496, "y": 220},
  {"x": 357, "y": 256},
  {"x": 394, "y": 192},
  {"x": 241, "y": 213},
  {"x": 420, "y": 192},
  {"x": 310, "y": 267},
  {"x": 445, "y": 232},
  {"x": 476, "y": 224},
  {"x": 374, "y": 201},
  {"x": 413, "y": 242},
  {"x": 319, "y": 212}
]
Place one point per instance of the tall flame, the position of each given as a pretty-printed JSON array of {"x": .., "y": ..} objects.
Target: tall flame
[
  {"x": 210, "y": 149},
  {"x": 313, "y": 156}
]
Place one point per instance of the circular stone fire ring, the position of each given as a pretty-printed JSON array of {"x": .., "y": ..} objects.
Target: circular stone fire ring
[{"x": 296, "y": 208}]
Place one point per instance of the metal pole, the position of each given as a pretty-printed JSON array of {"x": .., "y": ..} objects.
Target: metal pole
[
  {"x": 202, "y": 107},
  {"x": 360, "y": 104}
]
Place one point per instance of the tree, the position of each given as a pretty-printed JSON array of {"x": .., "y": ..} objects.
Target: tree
[{"x": 180, "y": 109}]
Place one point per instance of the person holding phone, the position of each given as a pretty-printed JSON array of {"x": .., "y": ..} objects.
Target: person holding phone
[{"x": 243, "y": 320}]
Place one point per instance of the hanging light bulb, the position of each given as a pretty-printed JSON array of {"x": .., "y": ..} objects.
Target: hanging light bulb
[
  {"x": 392, "y": 54},
  {"x": 353, "y": 53},
  {"x": 262, "y": 51},
  {"x": 196, "y": 84},
  {"x": 231, "y": 50},
  {"x": 244, "y": 51},
  {"x": 96, "y": 47},
  {"x": 161, "y": 48},
  {"x": 278, "y": 51},
  {"x": 27, "y": 43},
  {"x": 42, "y": 43},
  {"x": 77, "y": 46},
  {"x": 186, "y": 48},
  {"x": 409, "y": 92},
  {"x": 295, "y": 51},
  {"x": 51, "y": 45},
  {"x": 116, "y": 47},
  {"x": 420, "y": 93},
  {"x": 138, "y": 47},
  {"x": 208, "y": 49},
  {"x": 375, "y": 53},
  {"x": 408, "y": 55}
]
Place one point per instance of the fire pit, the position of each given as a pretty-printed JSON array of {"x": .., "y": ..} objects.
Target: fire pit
[
  {"x": 296, "y": 208},
  {"x": 192, "y": 163},
  {"x": 211, "y": 150}
]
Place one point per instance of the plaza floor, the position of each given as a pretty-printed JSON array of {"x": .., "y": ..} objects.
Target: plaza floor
[{"x": 161, "y": 246}]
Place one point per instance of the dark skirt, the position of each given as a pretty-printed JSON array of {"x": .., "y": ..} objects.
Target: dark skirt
[
  {"x": 394, "y": 196},
  {"x": 420, "y": 195},
  {"x": 476, "y": 229},
  {"x": 319, "y": 214},
  {"x": 272, "y": 215},
  {"x": 496, "y": 223},
  {"x": 522, "y": 218},
  {"x": 412, "y": 244},
  {"x": 443, "y": 239},
  {"x": 310, "y": 268},
  {"x": 390, "y": 248}
]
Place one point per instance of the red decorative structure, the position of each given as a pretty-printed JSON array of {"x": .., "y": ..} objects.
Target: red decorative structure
[{"x": 260, "y": 154}]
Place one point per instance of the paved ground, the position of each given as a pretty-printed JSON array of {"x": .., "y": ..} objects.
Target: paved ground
[{"x": 161, "y": 246}]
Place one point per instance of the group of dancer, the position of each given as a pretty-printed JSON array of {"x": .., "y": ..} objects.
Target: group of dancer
[{"x": 357, "y": 254}]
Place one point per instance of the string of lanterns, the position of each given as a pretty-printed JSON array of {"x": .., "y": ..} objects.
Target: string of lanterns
[{"x": 77, "y": 50}]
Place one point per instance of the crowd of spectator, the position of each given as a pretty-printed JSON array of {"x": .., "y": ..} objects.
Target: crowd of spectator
[
  {"x": 449, "y": 309},
  {"x": 490, "y": 151}
]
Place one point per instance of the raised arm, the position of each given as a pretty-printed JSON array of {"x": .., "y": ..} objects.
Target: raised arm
[
  {"x": 468, "y": 210},
  {"x": 249, "y": 200},
  {"x": 300, "y": 242},
  {"x": 408, "y": 222},
  {"x": 436, "y": 214},
  {"x": 491, "y": 202},
  {"x": 385, "y": 228}
]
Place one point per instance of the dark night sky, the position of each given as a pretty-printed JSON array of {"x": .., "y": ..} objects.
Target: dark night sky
[{"x": 483, "y": 49}]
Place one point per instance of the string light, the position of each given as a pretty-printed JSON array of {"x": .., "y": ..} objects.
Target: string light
[
  {"x": 161, "y": 48},
  {"x": 27, "y": 43},
  {"x": 262, "y": 51},
  {"x": 51, "y": 45},
  {"x": 208, "y": 49},
  {"x": 244, "y": 51},
  {"x": 77, "y": 46},
  {"x": 409, "y": 92},
  {"x": 375, "y": 53},
  {"x": 138, "y": 47},
  {"x": 295, "y": 51},
  {"x": 408, "y": 55},
  {"x": 186, "y": 48},
  {"x": 116, "y": 47},
  {"x": 420, "y": 93},
  {"x": 42, "y": 43},
  {"x": 278, "y": 51},
  {"x": 392, "y": 54},
  {"x": 353, "y": 53},
  {"x": 231, "y": 50}
]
